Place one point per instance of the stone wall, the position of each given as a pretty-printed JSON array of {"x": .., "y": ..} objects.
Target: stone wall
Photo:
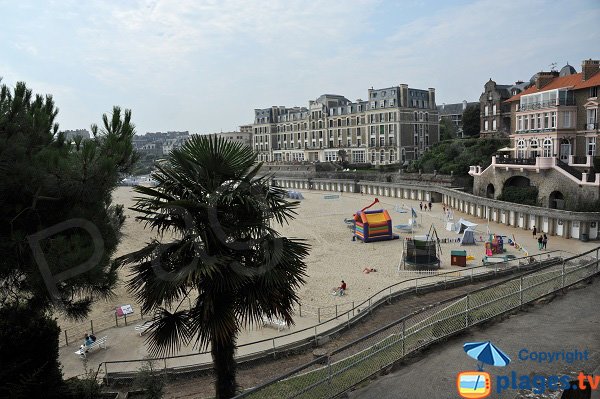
[{"x": 546, "y": 181}]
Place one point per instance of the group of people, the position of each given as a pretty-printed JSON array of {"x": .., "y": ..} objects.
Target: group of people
[
  {"x": 542, "y": 239},
  {"x": 426, "y": 206}
]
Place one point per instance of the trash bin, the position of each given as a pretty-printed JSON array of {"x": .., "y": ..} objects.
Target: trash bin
[
  {"x": 585, "y": 237},
  {"x": 458, "y": 258}
]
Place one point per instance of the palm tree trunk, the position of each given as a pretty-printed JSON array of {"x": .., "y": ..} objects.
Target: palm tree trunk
[{"x": 225, "y": 367}]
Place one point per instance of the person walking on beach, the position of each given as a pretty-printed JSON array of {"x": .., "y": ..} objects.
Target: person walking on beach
[
  {"x": 544, "y": 241},
  {"x": 534, "y": 232},
  {"x": 540, "y": 242}
]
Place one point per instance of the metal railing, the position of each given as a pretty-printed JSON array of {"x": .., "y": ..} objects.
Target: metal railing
[
  {"x": 515, "y": 161},
  {"x": 569, "y": 169},
  {"x": 336, "y": 318},
  {"x": 333, "y": 374}
]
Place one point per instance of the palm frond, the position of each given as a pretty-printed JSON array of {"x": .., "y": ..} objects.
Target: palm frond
[{"x": 168, "y": 332}]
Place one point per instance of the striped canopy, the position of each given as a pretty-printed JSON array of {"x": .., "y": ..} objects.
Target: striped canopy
[{"x": 487, "y": 353}]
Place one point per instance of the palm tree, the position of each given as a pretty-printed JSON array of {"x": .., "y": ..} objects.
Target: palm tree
[{"x": 226, "y": 257}]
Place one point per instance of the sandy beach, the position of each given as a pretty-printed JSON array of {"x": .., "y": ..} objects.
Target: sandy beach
[{"x": 333, "y": 255}]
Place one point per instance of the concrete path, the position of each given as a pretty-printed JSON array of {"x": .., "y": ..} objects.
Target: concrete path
[{"x": 570, "y": 322}]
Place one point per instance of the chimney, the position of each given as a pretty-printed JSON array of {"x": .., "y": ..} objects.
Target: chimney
[
  {"x": 431, "y": 91},
  {"x": 543, "y": 78},
  {"x": 589, "y": 68},
  {"x": 403, "y": 95}
]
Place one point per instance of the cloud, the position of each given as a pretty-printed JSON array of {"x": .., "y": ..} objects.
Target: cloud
[{"x": 205, "y": 65}]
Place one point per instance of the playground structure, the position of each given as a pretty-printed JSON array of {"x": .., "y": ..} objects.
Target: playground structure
[
  {"x": 494, "y": 245},
  {"x": 422, "y": 252},
  {"x": 412, "y": 223},
  {"x": 517, "y": 246},
  {"x": 375, "y": 225}
]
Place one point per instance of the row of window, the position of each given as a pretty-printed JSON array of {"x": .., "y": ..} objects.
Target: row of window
[
  {"x": 542, "y": 120},
  {"x": 486, "y": 110},
  {"x": 486, "y": 125}
]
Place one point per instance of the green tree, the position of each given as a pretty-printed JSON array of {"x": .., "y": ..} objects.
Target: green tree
[
  {"x": 448, "y": 130},
  {"x": 227, "y": 258},
  {"x": 471, "y": 121},
  {"x": 58, "y": 228}
]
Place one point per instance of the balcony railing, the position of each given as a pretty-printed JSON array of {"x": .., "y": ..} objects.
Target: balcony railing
[
  {"x": 590, "y": 126},
  {"x": 549, "y": 129},
  {"x": 515, "y": 161},
  {"x": 545, "y": 104}
]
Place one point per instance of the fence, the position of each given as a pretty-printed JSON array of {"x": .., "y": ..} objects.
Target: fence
[
  {"x": 341, "y": 317},
  {"x": 333, "y": 374},
  {"x": 76, "y": 333},
  {"x": 320, "y": 313}
]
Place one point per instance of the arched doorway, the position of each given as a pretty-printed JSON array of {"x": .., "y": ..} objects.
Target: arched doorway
[
  {"x": 565, "y": 150},
  {"x": 556, "y": 200},
  {"x": 490, "y": 191},
  {"x": 517, "y": 181}
]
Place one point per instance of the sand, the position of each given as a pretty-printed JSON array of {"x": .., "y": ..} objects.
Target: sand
[{"x": 333, "y": 255}]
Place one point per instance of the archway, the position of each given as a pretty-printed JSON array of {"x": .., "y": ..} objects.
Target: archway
[
  {"x": 556, "y": 200},
  {"x": 490, "y": 191},
  {"x": 517, "y": 181}
]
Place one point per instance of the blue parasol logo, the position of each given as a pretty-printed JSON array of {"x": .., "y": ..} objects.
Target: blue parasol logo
[{"x": 486, "y": 353}]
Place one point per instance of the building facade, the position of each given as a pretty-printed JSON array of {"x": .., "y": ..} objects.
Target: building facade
[
  {"x": 395, "y": 125},
  {"x": 554, "y": 134},
  {"x": 71, "y": 134},
  {"x": 454, "y": 113},
  {"x": 494, "y": 110},
  {"x": 159, "y": 143},
  {"x": 244, "y": 135}
]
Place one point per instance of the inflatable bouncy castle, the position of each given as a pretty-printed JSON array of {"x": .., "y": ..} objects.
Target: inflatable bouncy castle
[{"x": 373, "y": 225}]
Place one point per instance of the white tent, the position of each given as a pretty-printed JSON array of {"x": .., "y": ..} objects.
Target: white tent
[{"x": 463, "y": 225}]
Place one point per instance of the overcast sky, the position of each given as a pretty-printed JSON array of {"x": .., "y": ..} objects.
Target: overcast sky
[{"x": 204, "y": 66}]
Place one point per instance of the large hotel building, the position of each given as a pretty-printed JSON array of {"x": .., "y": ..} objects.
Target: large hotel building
[{"x": 396, "y": 125}]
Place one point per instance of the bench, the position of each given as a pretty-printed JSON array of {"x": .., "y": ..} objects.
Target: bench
[
  {"x": 275, "y": 323},
  {"x": 142, "y": 328},
  {"x": 99, "y": 343}
]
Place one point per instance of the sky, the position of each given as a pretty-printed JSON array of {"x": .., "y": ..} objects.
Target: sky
[{"x": 204, "y": 65}]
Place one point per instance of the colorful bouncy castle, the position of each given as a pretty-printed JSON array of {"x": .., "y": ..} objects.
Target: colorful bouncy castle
[{"x": 373, "y": 225}]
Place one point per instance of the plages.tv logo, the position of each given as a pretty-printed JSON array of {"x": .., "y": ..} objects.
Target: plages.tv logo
[{"x": 478, "y": 384}]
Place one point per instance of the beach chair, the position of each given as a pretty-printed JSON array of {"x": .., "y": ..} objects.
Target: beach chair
[
  {"x": 274, "y": 323},
  {"x": 142, "y": 328}
]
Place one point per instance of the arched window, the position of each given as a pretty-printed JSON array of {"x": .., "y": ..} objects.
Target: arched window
[
  {"x": 547, "y": 148},
  {"x": 392, "y": 156},
  {"x": 382, "y": 156},
  {"x": 534, "y": 148},
  {"x": 320, "y": 124},
  {"x": 521, "y": 149},
  {"x": 403, "y": 154}
]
